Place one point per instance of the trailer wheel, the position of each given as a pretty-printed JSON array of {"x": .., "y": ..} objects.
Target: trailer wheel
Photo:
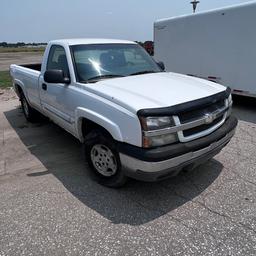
[
  {"x": 103, "y": 159},
  {"x": 29, "y": 113}
]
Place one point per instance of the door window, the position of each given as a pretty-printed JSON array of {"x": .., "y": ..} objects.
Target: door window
[{"x": 58, "y": 60}]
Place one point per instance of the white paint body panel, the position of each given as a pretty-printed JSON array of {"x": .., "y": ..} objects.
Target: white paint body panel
[
  {"x": 154, "y": 90},
  {"x": 111, "y": 103},
  {"x": 28, "y": 80},
  {"x": 219, "y": 43}
]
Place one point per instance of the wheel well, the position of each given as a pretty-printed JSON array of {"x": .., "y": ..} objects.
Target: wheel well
[
  {"x": 18, "y": 90},
  {"x": 89, "y": 126}
]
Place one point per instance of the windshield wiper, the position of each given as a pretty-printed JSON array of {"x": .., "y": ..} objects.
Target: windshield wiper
[
  {"x": 97, "y": 78},
  {"x": 143, "y": 72}
]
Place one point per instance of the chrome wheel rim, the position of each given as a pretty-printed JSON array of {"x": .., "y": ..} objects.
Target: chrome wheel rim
[
  {"x": 25, "y": 106},
  {"x": 103, "y": 160}
]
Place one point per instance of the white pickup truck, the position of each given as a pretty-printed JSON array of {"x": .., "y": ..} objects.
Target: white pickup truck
[{"x": 135, "y": 119}]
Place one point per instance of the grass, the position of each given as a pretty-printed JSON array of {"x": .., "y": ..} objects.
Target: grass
[
  {"x": 5, "y": 79},
  {"x": 22, "y": 49}
]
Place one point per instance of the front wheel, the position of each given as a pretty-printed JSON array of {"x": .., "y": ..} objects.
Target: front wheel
[{"x": 104, "y": 160}]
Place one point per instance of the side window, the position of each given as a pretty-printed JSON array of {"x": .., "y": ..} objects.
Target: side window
[{"x": 57, "y": 59}]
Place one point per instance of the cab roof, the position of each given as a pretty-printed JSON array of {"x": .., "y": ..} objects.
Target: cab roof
[{"x": 78, "y": 41}]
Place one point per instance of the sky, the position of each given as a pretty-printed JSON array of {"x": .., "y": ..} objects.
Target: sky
[{"x": 44, "y": 20}]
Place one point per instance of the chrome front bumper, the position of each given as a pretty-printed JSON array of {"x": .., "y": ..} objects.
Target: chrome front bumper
[{"x": 151, "y": 171}]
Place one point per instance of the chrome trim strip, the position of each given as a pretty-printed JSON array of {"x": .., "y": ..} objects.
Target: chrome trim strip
[
  {"x": 134, "y": 164},
  {"x": 198, "y": 135}
]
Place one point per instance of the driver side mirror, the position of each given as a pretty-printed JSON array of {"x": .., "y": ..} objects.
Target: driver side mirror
[
  {"x": 161, "y": 65},
  {"x": 56, "y": 76}
]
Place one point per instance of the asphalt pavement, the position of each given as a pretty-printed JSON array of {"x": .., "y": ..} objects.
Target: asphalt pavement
[{"x": 49, "y": 205}]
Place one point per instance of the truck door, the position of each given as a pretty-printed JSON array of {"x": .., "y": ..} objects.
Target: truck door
[{"x": 55, "y": 97}]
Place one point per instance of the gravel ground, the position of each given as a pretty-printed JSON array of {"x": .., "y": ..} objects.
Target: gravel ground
[
  {"x": 7, "y": 94},
  {"x": 8, "y": 58},
  {"x": 50, "y": 206}
]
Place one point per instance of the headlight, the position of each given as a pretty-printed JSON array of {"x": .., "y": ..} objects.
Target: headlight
[
  {"x": 230, "y": 103},
  {"x": 159, "y": 140},
  {"x": 155, "y": 131},
  {"x": 156, "y": 123}
]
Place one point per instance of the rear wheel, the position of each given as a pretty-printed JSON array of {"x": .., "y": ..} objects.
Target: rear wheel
[
  {"x": 29, "y": 112},
  {"x": 103, "y": 159}
]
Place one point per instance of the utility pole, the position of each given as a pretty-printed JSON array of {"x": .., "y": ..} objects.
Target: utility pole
[{"x": 195, "y": 3}]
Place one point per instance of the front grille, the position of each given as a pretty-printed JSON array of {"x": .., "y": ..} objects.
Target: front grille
[
  {"x": 201, "y": 128},
  {"x": 196, "y": 114},
  {"x": 214, "y": 111}
]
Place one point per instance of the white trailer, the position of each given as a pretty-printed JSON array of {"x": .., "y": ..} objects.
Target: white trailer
[{"x": 218, "y": 45}]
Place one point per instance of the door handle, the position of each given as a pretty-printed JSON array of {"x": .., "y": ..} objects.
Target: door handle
[{"x": 44, "y": 87}]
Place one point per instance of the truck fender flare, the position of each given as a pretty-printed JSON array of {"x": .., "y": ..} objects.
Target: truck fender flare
[
  {"x": 21, "y": 85},
  {"x": 98, "y": 119}
]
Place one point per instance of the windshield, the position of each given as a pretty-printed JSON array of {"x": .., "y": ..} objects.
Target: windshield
[{"x": 95, "y": 62}]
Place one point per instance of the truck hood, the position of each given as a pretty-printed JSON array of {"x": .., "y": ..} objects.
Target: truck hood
[{"x": 154, "y": 90}]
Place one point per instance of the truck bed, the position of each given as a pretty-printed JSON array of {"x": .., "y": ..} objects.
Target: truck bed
[
  {"x": 27, "y": 76},
  {"x": 35, "y": 66}
]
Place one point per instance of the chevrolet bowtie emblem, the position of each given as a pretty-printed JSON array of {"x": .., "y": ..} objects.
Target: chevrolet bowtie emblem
[{"x": 208, "y": 118}]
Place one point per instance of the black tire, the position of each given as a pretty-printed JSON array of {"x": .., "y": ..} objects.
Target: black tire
[
  {"x": 102, "y": 144},
  {"x": 30, "y": 114}
]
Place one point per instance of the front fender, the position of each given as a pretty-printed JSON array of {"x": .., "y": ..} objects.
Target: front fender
[{"x": 95, "y": 117}]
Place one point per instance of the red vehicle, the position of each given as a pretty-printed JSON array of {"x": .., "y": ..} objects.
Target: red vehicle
[{"x": 149, "y": 46}]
